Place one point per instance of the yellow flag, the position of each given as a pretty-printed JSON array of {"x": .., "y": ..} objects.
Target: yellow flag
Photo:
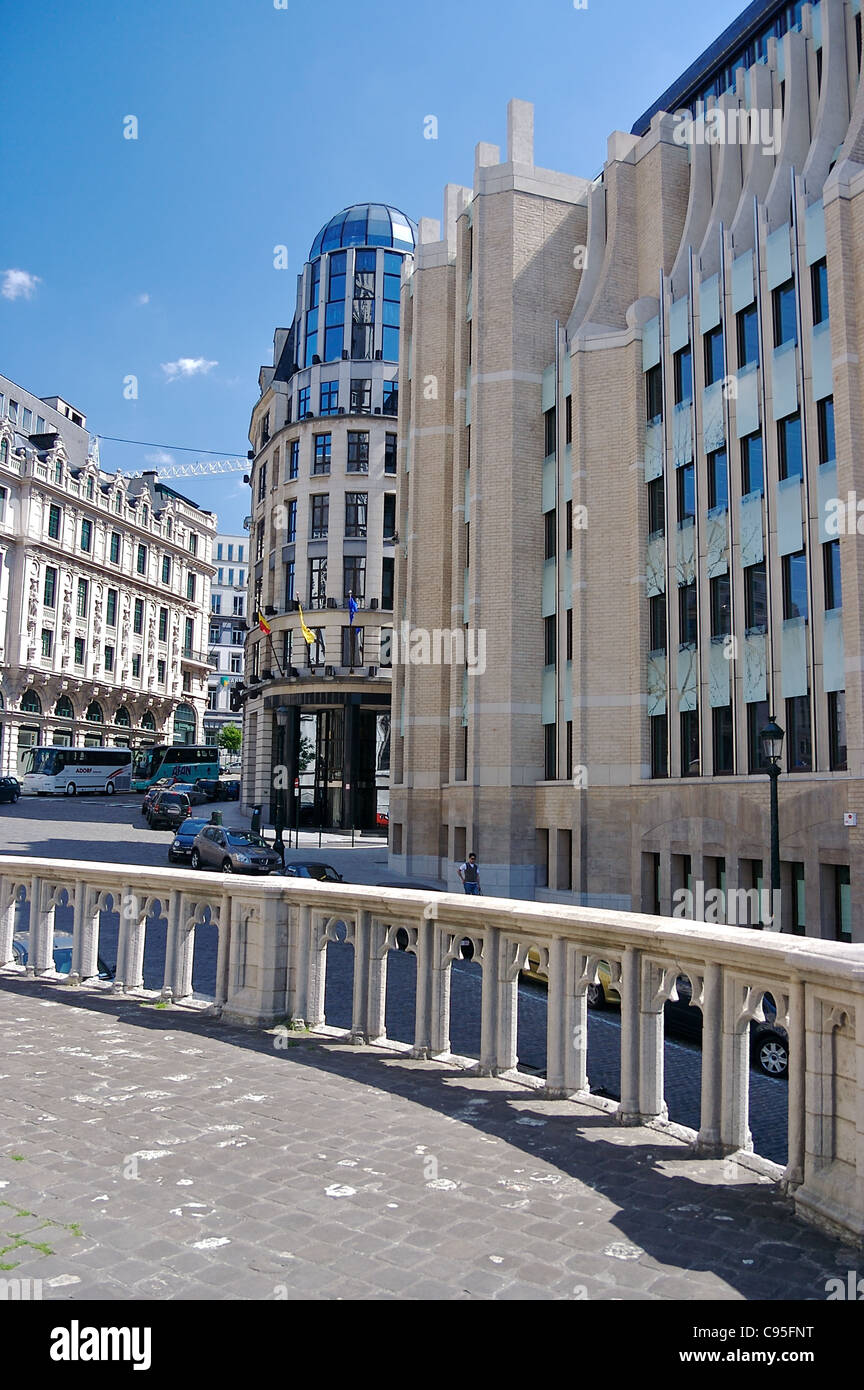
[{"x": 308, "y": 634}]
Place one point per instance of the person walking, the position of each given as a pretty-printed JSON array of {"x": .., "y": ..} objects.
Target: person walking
[{"x": 469, "y": 872}]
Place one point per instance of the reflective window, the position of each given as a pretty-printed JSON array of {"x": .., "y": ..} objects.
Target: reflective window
[
  {"x": 303, "y": 396},
  {"x": 795, "y": 585},
  {"x": 391, "y": 397},
  {"x": 329, "y": 398},
  {"x": 791, "y": 458},
  {"x": 751, "y": 464},
  {"x": 390, "y": 344}
]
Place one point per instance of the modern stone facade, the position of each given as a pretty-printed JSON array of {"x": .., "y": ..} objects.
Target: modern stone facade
[
  {"x": 322, "y": 526},
  {"x": 104, "y": 592},
  {"x": 630, "y": 407}
]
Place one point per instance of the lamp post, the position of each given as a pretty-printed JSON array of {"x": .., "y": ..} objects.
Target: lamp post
[
  {"x": 771, "y": 739},
  {"x": 282, "y": 716}
]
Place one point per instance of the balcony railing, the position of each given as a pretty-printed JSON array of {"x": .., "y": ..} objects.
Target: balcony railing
[
  {"x": 196, "y": 657},
  {"x": 272, "y": 962}
]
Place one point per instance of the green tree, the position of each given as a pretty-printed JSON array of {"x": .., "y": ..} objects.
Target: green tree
[
  {"x": 230, "y": 738},
  {"x": 306, "y": 754}
]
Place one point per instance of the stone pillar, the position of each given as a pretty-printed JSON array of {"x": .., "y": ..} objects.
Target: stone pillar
[
  {"x": 651, "y": 1102},
  {"x": 8, "y": 911},
  {"x": 712, "y": 1060},
  {"x": 376, "y": 996},
  {"x": 183, "y": 960},
  {"x": 735, "y": 1127},
  {"x": 41, "y": 953},
  {"x": 508, "y": 1016},
  {"x": 797, "y": 1087},
  {"x": 557, "y": 1040},
  {"x": 175, "y": 913},
  {"x": 489, "y": 1003},
  {"x": 223, "y": 951},
  {"x": 423, "y": 997},
  {"x": 298, "y": 985},
  {"x": 440, "y": 994},
  {"x": 316, "y": 977},
  {"x": 628, "y": 1110},
  {"x": 133, "y": 964},
  {"x": 360, "y": 1002}
]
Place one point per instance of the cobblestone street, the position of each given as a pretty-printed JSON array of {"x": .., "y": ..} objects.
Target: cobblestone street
[{"x": 149, "y": 1152}]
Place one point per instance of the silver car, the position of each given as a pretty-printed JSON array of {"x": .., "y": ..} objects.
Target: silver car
[{"x": 233, "y": 851}]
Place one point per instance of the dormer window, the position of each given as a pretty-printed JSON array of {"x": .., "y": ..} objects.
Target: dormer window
[
  {"x": 118, "y": 501},
  {"x": 58, "y": 472},
  {"x": 89, "y": 489}
]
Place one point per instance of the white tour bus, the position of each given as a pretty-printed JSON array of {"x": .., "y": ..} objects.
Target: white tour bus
[{"x": 56, "y": 771}]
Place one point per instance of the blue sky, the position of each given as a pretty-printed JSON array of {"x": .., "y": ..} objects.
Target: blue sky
[{"x": 255, "y": 125}]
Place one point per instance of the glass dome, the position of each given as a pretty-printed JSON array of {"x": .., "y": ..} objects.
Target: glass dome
[{"x": 366, "y": 224}]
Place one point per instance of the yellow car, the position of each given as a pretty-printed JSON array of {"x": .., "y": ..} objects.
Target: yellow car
[{"x": 599, "y": 995}]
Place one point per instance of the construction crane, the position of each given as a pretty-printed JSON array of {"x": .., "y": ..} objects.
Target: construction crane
[{"x": 200, "y": 469}]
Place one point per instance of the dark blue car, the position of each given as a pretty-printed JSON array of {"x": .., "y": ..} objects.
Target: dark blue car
[{"x": 181, "y": 845}]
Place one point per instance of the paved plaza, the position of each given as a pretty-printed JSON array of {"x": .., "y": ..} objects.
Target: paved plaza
[{"x": 156, "y": 1153}]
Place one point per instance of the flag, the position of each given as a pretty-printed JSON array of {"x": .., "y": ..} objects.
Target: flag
[
  {"x": 308, "y": 634},
  {"x": 353, "y": 605},
  {"x": 263, "y": 623}
]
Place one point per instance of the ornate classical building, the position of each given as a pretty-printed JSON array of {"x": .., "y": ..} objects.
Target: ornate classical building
[
  {"x": 323, "y": 526},
  {"x": 638, "y": 482},
  {"x": 227, "y": 631},
  {"x": 104, "y": 592}
]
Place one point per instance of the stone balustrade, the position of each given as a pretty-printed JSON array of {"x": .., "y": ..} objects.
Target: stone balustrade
[{"x": 272, "y": 958}]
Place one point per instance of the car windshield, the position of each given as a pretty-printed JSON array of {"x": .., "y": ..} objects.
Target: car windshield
[
  {"x": 193, "y": 827},
  {"x": 170, "y": 799},
  {"x": 245, "y": 837},
  {"x": 321, "y": 871}
]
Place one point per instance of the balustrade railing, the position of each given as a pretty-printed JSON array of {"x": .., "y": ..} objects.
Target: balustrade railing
[{"x": 271, "y": 965}]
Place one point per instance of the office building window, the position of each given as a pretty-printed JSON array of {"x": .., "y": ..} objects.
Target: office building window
[
  {"x": 336, "y": 278},
  {"x": 330, "y": 394},
  {"x": 358, "y": 451},
  {"x": 825, "y": 417},
  {"x": 239, "y": 605},
  {"x": 690, "y": 762},
  {"x": 83, "y": 598},
  {"x": 721, "y": 606},
  {"x": 219, "y": 551},
  {"x": 790, "y": 453},
  {"x": 190, "y": 587},
  {"x": 361, "y": 396},
  {"x": 831, "y": 569},
  {"x": 166, "y": 569},
  {"x": 795, "y": 585},
  {"x": 356, "y": 504},
  {"x": 686, "y": 492},
  {"x": 141, "y": 561},
  {"x": 387, "y": 570},
  {"x": 363, "y": 308},
  {"x": 688, "y": 615},
  {"x": 49, "y": 592},
  {"x": 549, "y": 432},
  {"x": 160, "y": 671},
  {"x": 321, "y": 454},
  {"x": 54, "y": 515},
  {"x": 785, "y": 322},
  {"x": 86, "y": 535},
  {"x": 550, "y": 533},
  {"x": 747, "y": 329},
  {"x": 354, "y": 579},
  {"x": 111, "y": 608},
  {"x": 755, "y": 598},
  {"x": 294, "y": 460},
  {"x": 799, "y": 744},
  {"x": 758, "y": 715},
  {"x": 318, "y": 582},
  {"x": 259, "y": 541},
  {"x": 320, "y": 519},
  {"x": 714, "y": 368},
  {"x": 136, "y": 666},
  {"x": 659, "y": 746},
  {"x": 390, "y": 404},
  {"x": 683, "y": 376},
  {"x": 837, "y": 729},
  {"x": 654, "y": 394},
  {"x": 47, "y": 642},
  {"x": 289, "y": 583},
  {"x": 723, "y": 741},
  {"x": 819, "y": 287},
  {"x": 842, "y": 900},
  {"x": 752, "y": 464},
  {"x": 656, "y": 507},
  {"x": 718, "y": 479},
  {"x": 568, "y": 419},
  {"x": 109, "y": 659},
  {"x": 550, "y": 753},
  {"x": 352, "y": 646},
  {"x": 79, "y": 651},
  {"x": 656, "y": 623},
  {"x": 114, "y": 549},
  {"x": 550, "y": 640},
  {"x": 138, "y": 617},
  {"x": 389, "y": 515},
  {"x": 390, "y": 453},
  {"x": 163, "y": 626},
  {"x": 215, "y": 603},
  {"x": 262, "y": 482},
  {"x": 291, "y": 526}
]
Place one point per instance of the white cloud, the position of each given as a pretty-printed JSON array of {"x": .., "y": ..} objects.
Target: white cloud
[
  {"x": 18, "y": 284},
  {"x": 142, "y": 299},
  {"x": 161, "y": 456},
  {"x": 187, "y": 366}
]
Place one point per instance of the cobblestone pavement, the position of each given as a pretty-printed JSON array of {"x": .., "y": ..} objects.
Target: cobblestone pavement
[{"x": 150, "y": 1152}]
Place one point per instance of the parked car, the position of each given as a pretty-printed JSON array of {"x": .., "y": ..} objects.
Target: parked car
[
  {"x": 208, "y": 787},
  {"x": 382, "y": 820},
  {"x": 228, "y": 789},
  {"x": 180, "y": 850},
  {"x": 169, "y": 808},
  {"x": 233, "y": 851},
  {"x": 325, "y": 873},
  {"x": 62, "y": 954},
  {"x": 196, "y": 797},
  {"x": 152, "y": 792},
  {"x": 10, "y": 789}
]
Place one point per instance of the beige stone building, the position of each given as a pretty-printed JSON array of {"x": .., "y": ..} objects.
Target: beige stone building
[{"x": 631, "y": 408}]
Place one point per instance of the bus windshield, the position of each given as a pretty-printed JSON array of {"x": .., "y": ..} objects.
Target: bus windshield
[
  {"x": 146, "y": 761},
  {"x": 44, "y": 761}
]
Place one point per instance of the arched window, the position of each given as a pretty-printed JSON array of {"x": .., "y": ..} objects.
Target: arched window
[
  {"x": 64, "y": 709},
  {"x": 184, "y": 724},
  {"x": 122, "y": 717},
  {"x": 30, "y": 703},
  {"x": 148, "y": 721},
  {"x": 94, "y": 712}
]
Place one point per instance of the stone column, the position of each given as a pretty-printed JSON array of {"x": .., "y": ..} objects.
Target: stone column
[
  {"x": 507, "y": 1020},
  {"x": 651, "y": 1102},
  {"x": 316, "y": 976},
  {"x": 423, "y": 998},
  {"x": 489, "y": 1003},
  {"x": 797, "y": 1086},
  {"x": 712, "y": 1060},
  {"x": 735, "y": 1127},
  {"x": 133, "y": 964},
  {"x": 175, "y": 913},
  {"x": 557, "y": 1041},
  {"x": 360, "y": 1001},
  {"x": 8, "y": 912},
  {"x": 440, "y": 994},
  {"x": 223, "y": 951},
  {"x": 41, "y": 953},
  {"x": 628, "y": 1110},
  {"x": 376, "y": 994},
  {"x": 301, "y": 930}
]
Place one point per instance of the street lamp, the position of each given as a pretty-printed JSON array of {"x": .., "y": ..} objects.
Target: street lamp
[
  {"x": 282, "y": 717},
  {"x": 771, "y": 739}
]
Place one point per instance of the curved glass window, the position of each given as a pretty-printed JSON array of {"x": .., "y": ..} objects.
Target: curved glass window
[
  {"x": 366, "y": 224},
  {"x": 184, "y": 724}
]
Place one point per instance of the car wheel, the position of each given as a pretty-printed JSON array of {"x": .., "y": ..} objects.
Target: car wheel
[
  {"x": 227, "y": 866},
  {"x": 15, "y": 796},
  {"x": 195, "y": 861},
  {"x": 71, "y": 789},
  {"x": 109, "y": 789},
  {"x": 772, "y": 1054},
  {"x": 595, "y": 996}
]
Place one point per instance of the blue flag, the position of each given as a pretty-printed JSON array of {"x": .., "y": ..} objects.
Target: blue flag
[{"x": 353, "y": 605}]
